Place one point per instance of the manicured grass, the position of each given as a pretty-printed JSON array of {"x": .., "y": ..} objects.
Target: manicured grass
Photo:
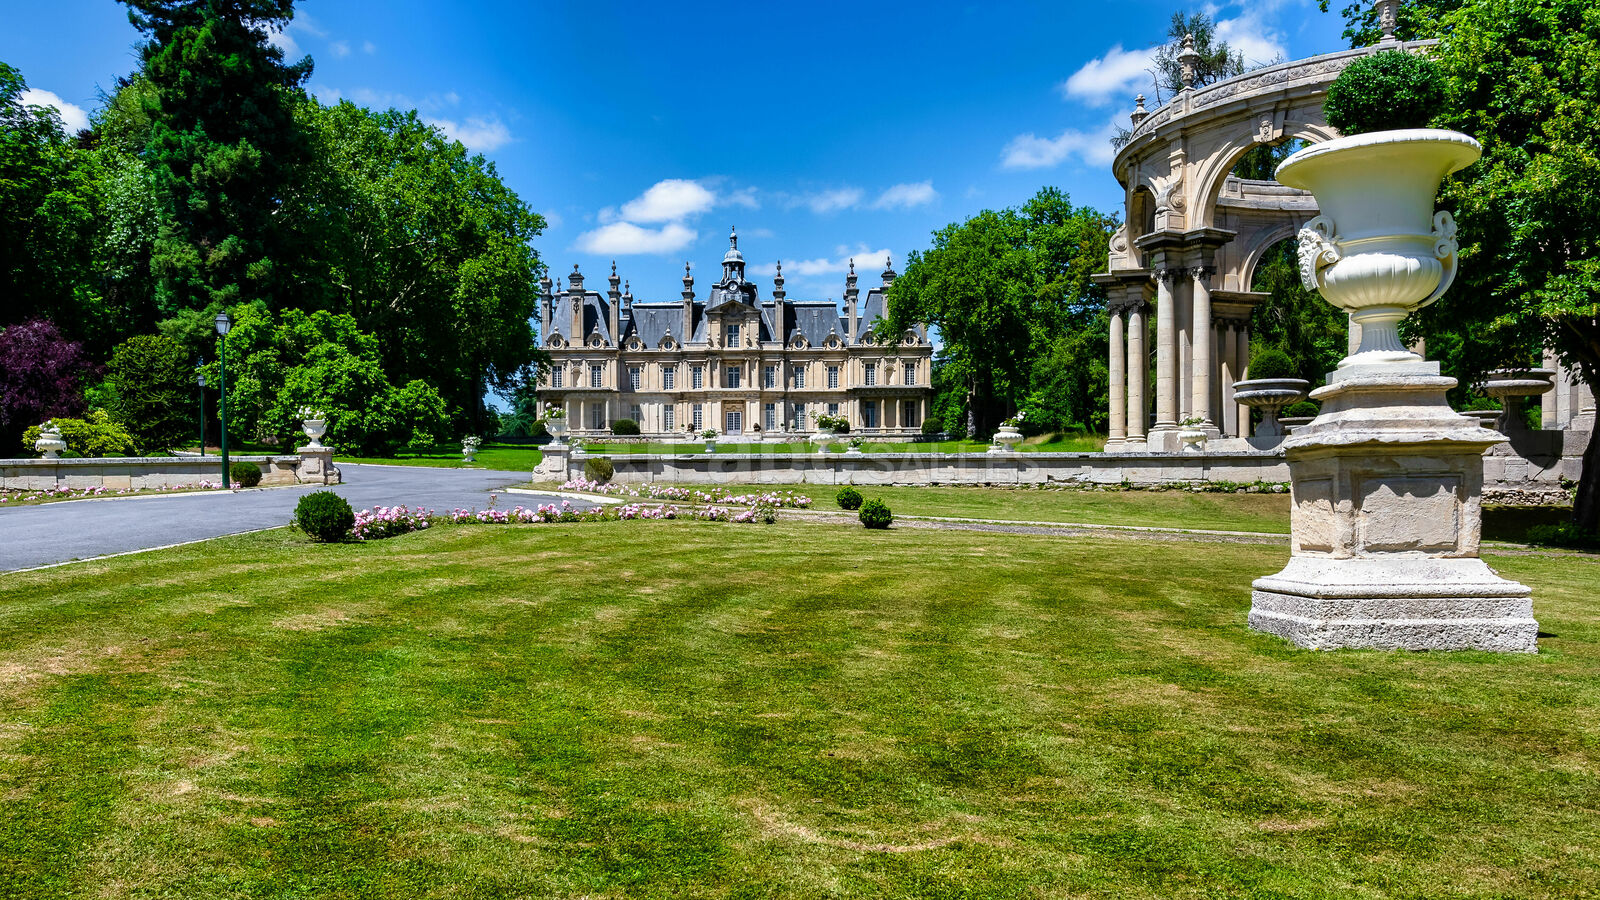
[
  {"x": 785, "y": 711},
  {"x": 506, "y": 457}
]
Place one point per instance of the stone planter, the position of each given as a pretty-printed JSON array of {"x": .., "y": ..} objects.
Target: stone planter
[
  {"x": 50, "y": 444},
  {"x": 1379, "y": 251},
  {"x": 1270, "y": 395},
  {"x": 1006, "y": 439},
  {"x": 315, "y": 429},
  {"x": 1192, "y": 438},
  {"x": 824, "y": 436},
  {"x": 1513, "y": 387},
  {"x": 468, "y": 451}
]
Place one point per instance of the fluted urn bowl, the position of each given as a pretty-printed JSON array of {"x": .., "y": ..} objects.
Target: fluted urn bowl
[
  {"x": 1512, "y": 387},
  {"x": 1378, "y": 250},
  {"x": 557, "y": 428},
  {"x": 1270, "y": 395},
  {"x": 314, "y": 429}
]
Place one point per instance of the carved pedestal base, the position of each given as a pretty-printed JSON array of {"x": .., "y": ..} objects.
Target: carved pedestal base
[
  {"x": 1385, "y": 526},
  {"x": 316, "y": 466}
]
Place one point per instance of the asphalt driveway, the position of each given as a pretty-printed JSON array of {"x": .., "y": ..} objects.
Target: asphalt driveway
[{"x": 58, "y": 532}]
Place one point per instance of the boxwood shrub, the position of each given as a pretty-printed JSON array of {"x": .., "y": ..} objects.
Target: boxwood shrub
[
  {"x": 1384, "y": 91},
  {"x": 599, "y": 468},
  {"x": 1272, "y": 364},
  {"x": 625, "y": 426},
  {"x": 1304, "y": 408},
  {"x": 848, "y": 498},
  {"x": 324, "y": 516},
  {"x": 248, "y": 474},
  {"x": 875, "y": 514}
]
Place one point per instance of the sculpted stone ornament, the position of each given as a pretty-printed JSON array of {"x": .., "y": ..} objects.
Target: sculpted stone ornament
[{"x": 1387, "y": 479}]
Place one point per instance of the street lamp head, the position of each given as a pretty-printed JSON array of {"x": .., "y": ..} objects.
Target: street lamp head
[
  {"x": 223, "y": 323},
  {"x": 201, "y": 381}
]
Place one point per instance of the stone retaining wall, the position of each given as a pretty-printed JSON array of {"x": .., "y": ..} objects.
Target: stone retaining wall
[{"x": 150, "y": 472}]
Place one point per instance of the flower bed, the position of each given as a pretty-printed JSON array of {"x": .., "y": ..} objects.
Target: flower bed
[
  {"x": 776, "y": 499},
  {"x": 388, "y": 521},
  {"x": 63, "y": 493}
]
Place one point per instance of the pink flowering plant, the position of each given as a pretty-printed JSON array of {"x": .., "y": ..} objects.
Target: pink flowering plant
[{"x": 716, "y": 495}]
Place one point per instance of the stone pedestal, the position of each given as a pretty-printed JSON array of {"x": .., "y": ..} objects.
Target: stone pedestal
[
  {"x": 1386, "y": 524},
  {"x": 553, "y": 463},
  {"x": 316, "y": 466}
]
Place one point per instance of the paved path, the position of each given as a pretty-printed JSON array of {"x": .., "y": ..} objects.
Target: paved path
[{"x": 77, "y": 529}]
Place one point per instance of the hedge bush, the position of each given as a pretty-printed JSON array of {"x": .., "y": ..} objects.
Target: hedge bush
[
  {"x": 932, "y": 425},
  {"x": 599, "y": 468},
  {"x": 94, "y": 435},
  {"x": 875, "y": 514},
  {"x": 248, "y": 474},
  {"x": 1272, "y": 364},
  {"x": 1384, "y": 91},
  {"x": 325, "y": 516},
  {"x": 848, "y": 498},
  {"x": 1304, "y": 408},
  {"x": 1565, "y": 534},
  {"x": 625, "y": 426}
]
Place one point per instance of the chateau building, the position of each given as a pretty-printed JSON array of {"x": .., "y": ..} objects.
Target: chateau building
[{"x": 734, "y": 362}]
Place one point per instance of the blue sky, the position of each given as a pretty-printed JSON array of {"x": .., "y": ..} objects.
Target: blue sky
[{"x": 642, "y": 131}]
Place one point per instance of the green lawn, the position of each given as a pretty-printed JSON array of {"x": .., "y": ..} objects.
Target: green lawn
[
  {"x": 506, "y": 457},
  {"x": 787, "y": 711}
]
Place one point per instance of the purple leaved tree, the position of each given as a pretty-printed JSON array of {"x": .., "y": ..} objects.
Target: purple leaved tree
[{"x": 41, "y": 377}]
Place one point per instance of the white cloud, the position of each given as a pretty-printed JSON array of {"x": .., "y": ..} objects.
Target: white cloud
[
  {"x": 905, "y": 196},
  {"x": 867, "y": 261},
  {"x": 669, "y": 200},
  {"x": 821, "y": 202},
  {"x": 478, "y": 134},
  {"x": 340, "y": 48},
  {"x": 328, "y": 95},
  {"x": 745, "y": 197},
  {"x": 369, "y": 47},
  {"x": 282, "y": 40},
  {"x": 1117, "y": 75},
  {"x": 72, "y": 115},
  {"x": 1029, "y": 151},
  {"x": 623, "y": 238},
  {"x": 552, "y": 220},
  {"x": 1255, "y": 40}
]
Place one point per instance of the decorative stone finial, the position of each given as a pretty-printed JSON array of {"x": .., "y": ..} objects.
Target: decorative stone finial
[
  {"x": 733, "y": 236},
  {"x": 1188, "y": 60},
  {"x": 575, "y": 280},
  {"x": 627, "y": 292},
  {"x": 1388, "y": 19},
  {"x": 1139, "y": 113},
  {"x": 778, "y": 293},
  {"x": 889, "y": 273}
]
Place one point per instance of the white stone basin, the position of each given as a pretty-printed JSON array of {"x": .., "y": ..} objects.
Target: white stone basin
[{"x": 1270, "y": 395}]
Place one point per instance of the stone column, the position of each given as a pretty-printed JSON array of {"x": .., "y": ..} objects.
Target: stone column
[
  {"x": 1138, "y": 374},
  {"x": 1229, "y": 365},
  {"x": 1166, "y": 351},
  {"x": 1183, "y": 321},
  {"x": 1241, "y": 352},
  {"x": 1118, "y": 430},
  {"x": 1201, "y": 341},
  {"x": 1549, "y": 404}
]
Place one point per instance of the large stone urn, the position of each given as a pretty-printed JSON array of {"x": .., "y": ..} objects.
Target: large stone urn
[
  {"x": 1513, "y": 387},
  {"x": 557, "y": 428},
  {"x": 1006, "y": 439},
  {"x": 1270, "y": 395},
  {"x": 314, "y": 429},
  {"x": 50, "y": 445},
  {"x": 824, "y": 435},
  {"x": 1387, "y": 479}
]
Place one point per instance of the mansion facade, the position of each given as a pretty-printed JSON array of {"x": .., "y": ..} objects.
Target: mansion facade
[{"x": 735, "y": 362}]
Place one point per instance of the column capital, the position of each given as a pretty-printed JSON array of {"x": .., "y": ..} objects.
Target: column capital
[
  {"x": 1168, "y": 274},
  {"x": 1202, "y": 272}
]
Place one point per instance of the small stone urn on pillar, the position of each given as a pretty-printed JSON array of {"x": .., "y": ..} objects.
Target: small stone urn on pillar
[
  {"x": 1513, "y": 387},
  {"x": 316, "y": 459},
  {"x": 1385, "y": 518},
  {"x": 50, "y": 445}
]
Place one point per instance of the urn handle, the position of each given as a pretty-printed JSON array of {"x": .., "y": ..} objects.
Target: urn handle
[
  {"x": 1319, "y": 248},
  {"x": 1446, "y": 249}
]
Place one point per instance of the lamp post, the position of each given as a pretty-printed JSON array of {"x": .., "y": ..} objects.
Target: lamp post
[
  {"x": 223, "y": 325},
  {"x": 200, "y": 379}
]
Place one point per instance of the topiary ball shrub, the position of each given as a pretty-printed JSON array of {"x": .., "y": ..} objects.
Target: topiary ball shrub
[
  {"x": 1385, "y": 91},
  {"x": 598, "y": 468},
  {"x": 247, "y": 474},
  {"x": 849, "y": 498},
  {"x": 325, "y": 516},
  {"x": 875, "y": 514},
  {"x": 932, "y": 425},
  {"x": 1272, "y": 364},
  {"x": 1303, "y": 409},
  {"x": 625, "y": 427}
]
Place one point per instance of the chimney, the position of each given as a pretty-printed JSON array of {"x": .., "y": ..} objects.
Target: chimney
[
  {"x": 575, "y": 298},
  {"x": 688, "y": 304},
  {"x": 615, "y": 296},
  {"x": 850, "y": 294},
  {"x": 779, "y": 316},
  {"x": 546, "y": 299}
]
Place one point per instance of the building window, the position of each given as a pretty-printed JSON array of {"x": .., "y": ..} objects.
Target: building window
[
  {"x": 634, "y": 373},
  {"x": 833, "y": 409},
  {"x": 732, "y": 376},
  {"x": 733, "y": 335},
  {"x": 908, "y": 414},
  {"x": 833, "y": 378},
  {"x": 799, "y": 376},
  {"x": 669, "y": 377},
  {"x": 734, "y": 421},
  {"x": 869, "y": 414},
  {"x": 596, "y": 376},
  {"x": 637, "y": 413},
  {"x": 911, "y": 373},
  {"x": 769, "y": 415},
  {"x": 697, "y": 377},
  {"x": 555, "y": 377},
  {"x": 669, "y": 419},
  {"x": 698, "y": 417},
  {"x": 769, "y": 377},
  {"x": 597, "y": 416},
  {"x": 872, "y": 374}
]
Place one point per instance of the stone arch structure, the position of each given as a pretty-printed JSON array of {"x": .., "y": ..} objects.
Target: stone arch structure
[{"x": 1195, "y": 233}]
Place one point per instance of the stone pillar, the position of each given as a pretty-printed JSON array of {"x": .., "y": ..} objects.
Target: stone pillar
[
  {"x": 1138, "y": 375},
  {"x": 1227, "y": 410},
  {"x": 1118, "y": 430},
  {"x": 1241, "y": 352},
  {"x": 1201, "y": 341},
  {"x": 1166, "y": 351},
  {"x": 316, "y": 466},
  {"x": 1183, "y": 321},
  {"x": 1550, "y": 403}
]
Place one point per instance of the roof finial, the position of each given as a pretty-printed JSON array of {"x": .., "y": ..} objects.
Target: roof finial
[
  {"x": 1188, "y": 60},
  {"x": 1139, "y": 113},
  {"x": 733, "y": 236}
]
